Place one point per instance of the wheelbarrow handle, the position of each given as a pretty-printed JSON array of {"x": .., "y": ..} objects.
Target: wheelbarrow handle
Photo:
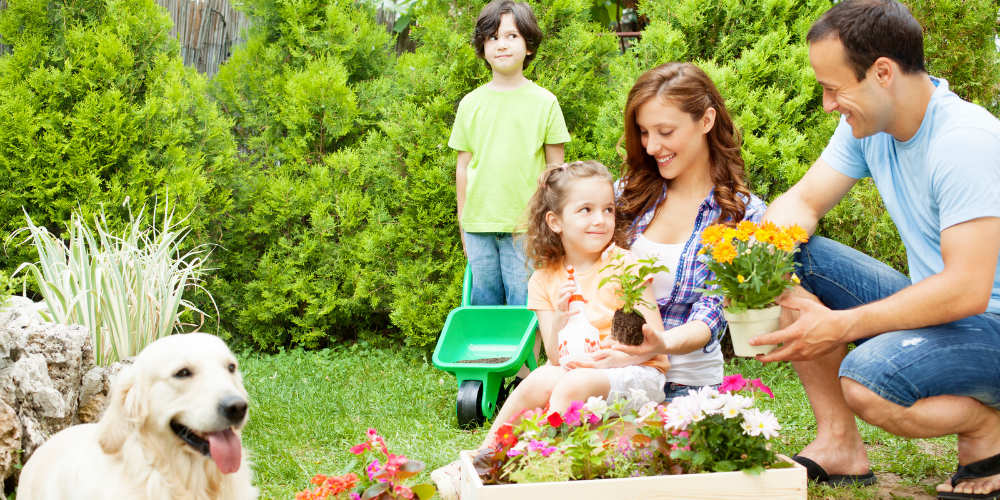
[{"x": 467, "y": 286}]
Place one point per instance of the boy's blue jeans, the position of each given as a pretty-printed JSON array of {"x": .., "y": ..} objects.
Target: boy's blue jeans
[
  {"x": 959, "y": 358},
  {"x": 499, "y": 269}
]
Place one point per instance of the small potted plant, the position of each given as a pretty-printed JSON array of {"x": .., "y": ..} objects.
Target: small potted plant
[
  {"x": 753, "y": 265},
  {"x": 379, "y": 475},
  {"x": 632, "y": 279}
]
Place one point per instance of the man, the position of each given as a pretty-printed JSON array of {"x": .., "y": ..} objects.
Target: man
[{"x": 927, "y": 361}]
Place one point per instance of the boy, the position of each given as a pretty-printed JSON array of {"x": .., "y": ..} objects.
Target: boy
[{"x": 505, "y": 133}]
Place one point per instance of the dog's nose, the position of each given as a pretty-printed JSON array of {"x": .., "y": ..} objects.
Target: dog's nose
[{"x": 234, "y": 408}]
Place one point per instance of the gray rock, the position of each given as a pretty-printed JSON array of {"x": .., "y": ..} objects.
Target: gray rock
[
  {"x": 48, "y": 380},
  {"x": 10, "y": 440}
]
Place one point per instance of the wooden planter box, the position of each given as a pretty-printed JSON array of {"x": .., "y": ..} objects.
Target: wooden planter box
[{"x": 772, "y": 484}]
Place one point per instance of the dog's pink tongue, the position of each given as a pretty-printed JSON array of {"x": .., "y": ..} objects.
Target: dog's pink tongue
[{"x": 225, "y": 448}]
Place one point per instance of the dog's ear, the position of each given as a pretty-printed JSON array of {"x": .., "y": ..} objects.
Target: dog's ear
[{"x": 125, "y": 411}]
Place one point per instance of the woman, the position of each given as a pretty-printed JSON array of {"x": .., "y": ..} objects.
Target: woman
[{"x": 683, "y": 172}]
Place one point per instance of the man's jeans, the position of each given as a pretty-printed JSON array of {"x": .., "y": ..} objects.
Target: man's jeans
[
  {"x": 958, "y": 358},
  {"x": 499, "y": 269}
]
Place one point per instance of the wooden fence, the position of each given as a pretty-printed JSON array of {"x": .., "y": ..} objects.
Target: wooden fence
[
  {"x": 3, "y": 48},
  {"x": 208, "y": 30}
]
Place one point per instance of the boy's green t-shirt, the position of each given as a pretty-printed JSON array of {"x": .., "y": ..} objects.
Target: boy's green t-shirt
[{"x": 506, "y": 132}]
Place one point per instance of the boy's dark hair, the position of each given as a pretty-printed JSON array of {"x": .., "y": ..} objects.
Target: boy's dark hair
[
  {"x": 489, "y": 22},
  {"x": 869, "y": 29}
]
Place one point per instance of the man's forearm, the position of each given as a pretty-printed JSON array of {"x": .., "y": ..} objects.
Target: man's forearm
[
  {"x": 788, "y": 209},
  {"x": 936, "y": 300}
]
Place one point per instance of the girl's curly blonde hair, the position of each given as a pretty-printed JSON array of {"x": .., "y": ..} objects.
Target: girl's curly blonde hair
[{"x": 544, "y": 247}]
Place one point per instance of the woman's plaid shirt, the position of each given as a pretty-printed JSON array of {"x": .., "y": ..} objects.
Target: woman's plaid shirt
[{"x": 685, "y": 302}]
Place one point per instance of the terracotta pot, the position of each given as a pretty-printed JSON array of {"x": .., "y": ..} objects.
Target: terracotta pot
[{"x": 749, "y": 324}]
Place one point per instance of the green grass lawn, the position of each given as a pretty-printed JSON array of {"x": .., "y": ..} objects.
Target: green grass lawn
[{"x": 308, "y": 408}]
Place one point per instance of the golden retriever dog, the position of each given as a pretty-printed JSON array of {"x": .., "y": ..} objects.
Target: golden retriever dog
[{"x": 171, "y": 431}]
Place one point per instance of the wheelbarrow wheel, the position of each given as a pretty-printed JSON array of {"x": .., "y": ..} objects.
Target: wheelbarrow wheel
[{"x": 470, "y": 399}]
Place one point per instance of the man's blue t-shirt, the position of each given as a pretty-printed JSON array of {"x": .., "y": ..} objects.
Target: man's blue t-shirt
[{"x": 946, "y": 174}]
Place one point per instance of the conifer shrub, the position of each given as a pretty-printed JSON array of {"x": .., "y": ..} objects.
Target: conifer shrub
[
  {"x": 336, "y": 232},
  {"x": 96, "y": 108}
]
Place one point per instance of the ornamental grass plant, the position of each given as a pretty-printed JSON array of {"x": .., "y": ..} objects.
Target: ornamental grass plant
[
  {"x": 753, "y": 264},
  {"x": 127, "y": 290}
]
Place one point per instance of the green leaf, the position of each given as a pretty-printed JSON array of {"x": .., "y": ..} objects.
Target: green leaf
[{"x": 424, "y": 491}]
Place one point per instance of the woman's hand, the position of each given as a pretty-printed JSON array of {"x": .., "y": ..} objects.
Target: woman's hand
[{"x": 652, "y": 344}]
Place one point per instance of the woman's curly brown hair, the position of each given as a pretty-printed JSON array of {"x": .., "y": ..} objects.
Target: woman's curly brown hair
[
  {"x": 543, "y": 246},
  {"x": 689, "y": 88}
]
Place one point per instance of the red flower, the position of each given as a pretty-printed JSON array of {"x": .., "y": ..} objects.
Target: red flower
[
  {"x": 506, "y": 437},
  {"x": 555, "y": 419}
]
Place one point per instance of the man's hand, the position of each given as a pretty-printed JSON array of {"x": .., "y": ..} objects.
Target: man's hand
[{"x": 817, "y": 331}]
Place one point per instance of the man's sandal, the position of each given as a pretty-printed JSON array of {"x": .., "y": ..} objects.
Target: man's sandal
[
  {"x": 817, "y": 473},
  {"x": 975, "y": 470}
]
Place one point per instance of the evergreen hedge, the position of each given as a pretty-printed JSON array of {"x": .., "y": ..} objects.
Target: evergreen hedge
[
  {"x": 327, "y": 179},
  {"x": 96, "y": 108}
]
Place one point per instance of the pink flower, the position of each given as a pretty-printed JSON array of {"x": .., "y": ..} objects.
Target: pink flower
[
  {"x": 373, "y": 469},
  {"x": 513, "y": 453},
  {"x": 624, "y": 446},
  {"x": 593, "y": 419},
  {"x": 757, "y": 384},
  {"x": 355, "y": 496},
  {"x": 403, "y": 491},
  {"x": 360, "y": 448},
  {"x": 393, "y": 463},
  {"x": 733, "y": 383},
  {"x": 573, "y": 413}
]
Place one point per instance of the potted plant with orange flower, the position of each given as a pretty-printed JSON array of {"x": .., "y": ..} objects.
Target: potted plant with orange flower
[{"x": 753, "y": 265}]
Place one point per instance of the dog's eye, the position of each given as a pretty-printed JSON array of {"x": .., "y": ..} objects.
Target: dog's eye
[
  {"x": 232, "y": 367},
  {"x": 182, "y": 373}
]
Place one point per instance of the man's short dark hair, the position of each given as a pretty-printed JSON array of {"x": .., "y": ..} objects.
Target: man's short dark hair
[
  {"x": 869, "y": 29},
  {"x": 524, "y": 18}
]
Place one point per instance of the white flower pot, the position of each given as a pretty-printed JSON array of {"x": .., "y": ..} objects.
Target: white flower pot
[
  {"x": 787, "y": 484},
  {"x": 749, "y": 324}
]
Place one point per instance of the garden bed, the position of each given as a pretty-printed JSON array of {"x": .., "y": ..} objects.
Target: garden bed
[{"x": 785, "y": 483}]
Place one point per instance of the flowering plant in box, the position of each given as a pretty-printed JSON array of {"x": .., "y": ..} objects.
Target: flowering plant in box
[
  {"x": 721, "y": 430},
  {"x": 378, "y": 474},
  {"x": 752, "y": 263},
  {"x": 589, "y": 440},
  {"x": 711, "y": 430}
]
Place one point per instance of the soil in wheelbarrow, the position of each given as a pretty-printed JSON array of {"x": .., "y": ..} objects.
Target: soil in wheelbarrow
[
  {"x": 627, "y": 327},
  {"x": 486, "y": 361}
]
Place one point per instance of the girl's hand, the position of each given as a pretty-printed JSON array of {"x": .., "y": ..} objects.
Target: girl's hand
[
  {"x": 652, "y": 343},
  {"x": 605, "y": 358},
  {"x": 565, "y": 292}
]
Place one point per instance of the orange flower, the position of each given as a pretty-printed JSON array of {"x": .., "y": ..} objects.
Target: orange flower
[
  {"x": 784, "y": 242},
  {"x": 770, "y": 227},
  {"x": 745, "y": 230},
  {"x": 797, "y": 233},
  {"x": 712, "y": 234},
  {"x": 724, "y": 252}
]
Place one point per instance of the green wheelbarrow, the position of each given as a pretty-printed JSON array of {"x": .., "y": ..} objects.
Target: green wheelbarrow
[{"x": 482, "y": 346}]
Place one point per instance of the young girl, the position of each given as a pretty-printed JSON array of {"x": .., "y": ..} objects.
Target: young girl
[{"x": 572, "y": 223}]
